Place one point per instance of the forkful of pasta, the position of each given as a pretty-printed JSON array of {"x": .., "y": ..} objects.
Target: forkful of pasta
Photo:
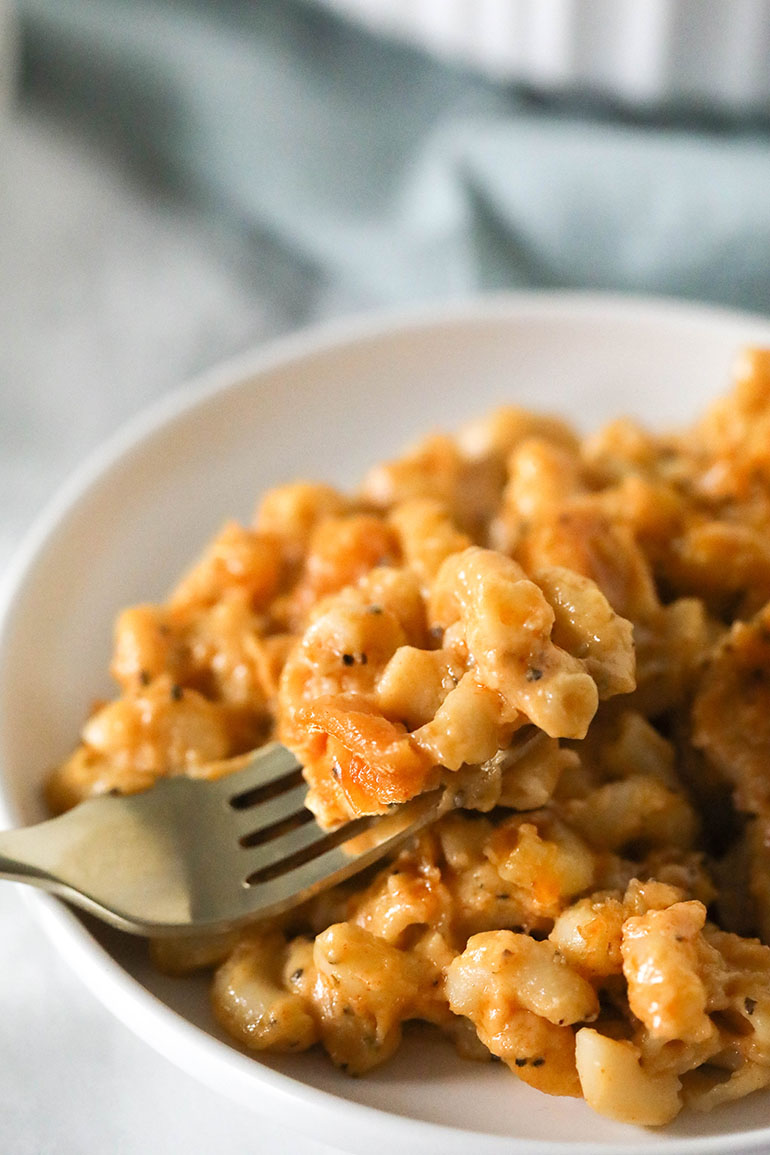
[{"x": 191, "y": 856}]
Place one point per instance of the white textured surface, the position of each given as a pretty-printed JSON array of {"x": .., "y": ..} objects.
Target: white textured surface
[
  {"x": 642, "y": 52},
  {"x": 110, "y": 293}
]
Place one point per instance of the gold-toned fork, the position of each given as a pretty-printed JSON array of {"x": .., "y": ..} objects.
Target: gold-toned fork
[{"x": 196, "y": 856}]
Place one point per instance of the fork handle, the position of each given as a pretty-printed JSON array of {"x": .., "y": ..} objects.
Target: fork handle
[
  {"x": 33, "y": 854},
  {"x": 25, "y": 858},
  {"x": 13, "y": 871}
]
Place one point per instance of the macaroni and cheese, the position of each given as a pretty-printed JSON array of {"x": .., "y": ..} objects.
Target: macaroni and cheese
[{"x": 573, "y": 633}]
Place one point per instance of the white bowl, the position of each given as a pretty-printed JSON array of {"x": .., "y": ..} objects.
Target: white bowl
[
  {"x": 326, "y": 404},
  {"x": 703, "y": 53}
]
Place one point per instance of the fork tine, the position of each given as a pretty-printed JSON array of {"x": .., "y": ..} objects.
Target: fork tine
[
  {"x": 305, "y": 880},
  {"x": 309, "y": 876},
  {"x": 266, "y": 767},
  {"x": 260, "y": 817},
  {"x": 278, "y": 850}
]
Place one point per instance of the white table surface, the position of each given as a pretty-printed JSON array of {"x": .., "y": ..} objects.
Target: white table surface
[{"x": 110, "y": 293}]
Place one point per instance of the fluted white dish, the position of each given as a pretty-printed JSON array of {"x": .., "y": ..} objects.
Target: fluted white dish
[
  {"x": 326, "y": 404},
  {"x": 8, "y": 57},
  {"x": 704, "y": 53}
]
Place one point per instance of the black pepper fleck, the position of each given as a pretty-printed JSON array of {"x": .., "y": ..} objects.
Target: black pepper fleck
[
  {"x": 144, "y": 677},
  {"x": 176, "y": 692},
  {"x": 297, "y": 974},
  {"x": 538, "y": 1062},
  {"x": 533, "y": 674},
  {"x": 520, "y": 1062},
  {"x": 348, "y": 659},
  {"x": 749, "y": 1004}
]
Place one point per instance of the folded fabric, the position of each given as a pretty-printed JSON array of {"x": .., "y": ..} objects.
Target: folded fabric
[{"x": 396, "y": 177}]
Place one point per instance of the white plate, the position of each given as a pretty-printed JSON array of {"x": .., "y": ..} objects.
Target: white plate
[{"x": 325, "y": 405}]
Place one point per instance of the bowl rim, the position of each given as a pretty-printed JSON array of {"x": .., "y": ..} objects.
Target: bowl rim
[{"x": 301, "y": 1105}]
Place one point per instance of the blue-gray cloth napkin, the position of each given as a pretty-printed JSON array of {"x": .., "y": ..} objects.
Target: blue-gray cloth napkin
[{"x": 396, "y": 177}]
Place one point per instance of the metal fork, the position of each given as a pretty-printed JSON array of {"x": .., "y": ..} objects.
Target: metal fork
[{"x": 192, "y": 856}]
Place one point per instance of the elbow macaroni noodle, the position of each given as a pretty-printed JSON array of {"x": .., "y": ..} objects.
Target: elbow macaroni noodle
[{"x": 593, "y": 911}]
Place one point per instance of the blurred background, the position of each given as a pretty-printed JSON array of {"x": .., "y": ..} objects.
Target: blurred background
[
  {"x": 183, "y": 179},
  {"x": 180, "y": 179}
]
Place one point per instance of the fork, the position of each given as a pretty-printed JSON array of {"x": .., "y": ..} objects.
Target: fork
[{"x": 204, "y": 856}]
